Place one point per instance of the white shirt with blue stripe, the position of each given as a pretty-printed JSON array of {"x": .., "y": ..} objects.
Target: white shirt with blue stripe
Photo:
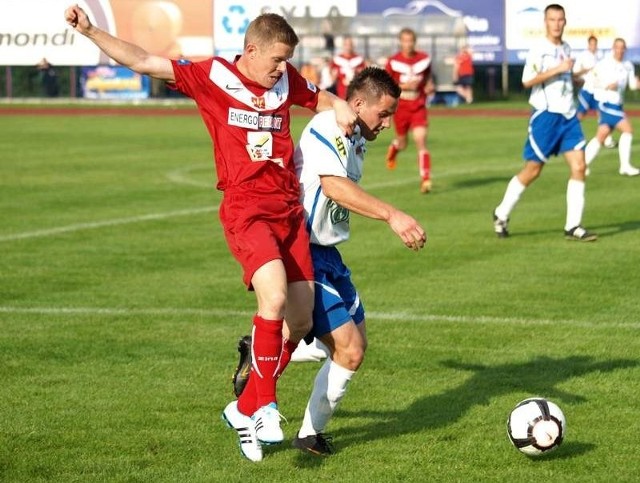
[
  {"x": 611, "y": 71},
  {"x": 556, "y": 94},
  {"x": 324, "y": 150}
]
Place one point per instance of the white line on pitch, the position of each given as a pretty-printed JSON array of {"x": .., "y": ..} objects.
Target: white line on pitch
[
  {"x": 372, "y": 316},
  {"x": 100, "y": 224}
]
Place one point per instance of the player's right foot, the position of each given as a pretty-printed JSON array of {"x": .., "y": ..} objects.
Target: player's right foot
[
  {"x": 391, "y": 157},
  {"x": 425, "y": 186},
  {"x": 579, "y": 233},
  {"x": 267, "y": 424},
  {"x": 241, "y": 375},
  {"x": 500, "y": 227},
  {"x": 245, "y": 427},
  {"x": 629, "y": 171},
  {"x": 319, "y": 444}
]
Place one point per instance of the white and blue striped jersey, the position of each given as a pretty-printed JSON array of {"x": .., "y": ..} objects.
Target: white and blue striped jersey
[
  {"x": 556, "y": 94},
  {"x": 611, "y": 71},
  {"x": 324, "y": 150}
]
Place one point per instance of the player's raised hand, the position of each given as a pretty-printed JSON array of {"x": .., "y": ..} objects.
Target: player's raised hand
[
  {"x": 408, "y": 229},
  {"x": 77, "y": 18}
]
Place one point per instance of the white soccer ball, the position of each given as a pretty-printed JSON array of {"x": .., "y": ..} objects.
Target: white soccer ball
[{"x": 536, "y": 426}]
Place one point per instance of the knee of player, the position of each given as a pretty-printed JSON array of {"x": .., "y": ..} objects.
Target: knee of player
[{"x": 351, "y": 356}]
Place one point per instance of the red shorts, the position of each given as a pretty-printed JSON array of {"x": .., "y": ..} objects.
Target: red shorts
[
  {"x": 409, "y": 115},
  {"x": 259, "y": 230}
]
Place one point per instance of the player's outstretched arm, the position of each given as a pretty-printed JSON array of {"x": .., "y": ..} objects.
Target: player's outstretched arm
[
  {"x": 125, "y": 53},
  {"x": 351, "y": 196}
]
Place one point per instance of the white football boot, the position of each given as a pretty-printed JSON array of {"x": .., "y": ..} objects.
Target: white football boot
[{"x": 245, "y": 427}]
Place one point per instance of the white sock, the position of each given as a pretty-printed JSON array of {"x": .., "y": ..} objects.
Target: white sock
[
  {"x": 511, "y": 196},
  {"x": 624, "y": 150},
  {"x": 592, "y": 150},
  {"x": 575, "y": 203},
  {"x": 328, "y": 389}
]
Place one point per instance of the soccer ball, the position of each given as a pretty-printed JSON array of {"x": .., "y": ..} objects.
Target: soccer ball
[{"x": 536, "y": 426}]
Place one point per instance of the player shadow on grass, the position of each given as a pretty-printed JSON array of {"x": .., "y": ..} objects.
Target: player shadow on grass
[{"x": 538, "y": 377}]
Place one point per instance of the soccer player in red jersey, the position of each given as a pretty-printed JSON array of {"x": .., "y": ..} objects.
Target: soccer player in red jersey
[
  {"x": 411, "y": 69},
  {"x": 345, "y": 65},
  {"x": 245, "y": 107}
]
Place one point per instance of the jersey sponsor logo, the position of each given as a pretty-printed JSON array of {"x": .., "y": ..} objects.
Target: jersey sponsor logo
[
  {"x": 259, "y": 146},
  {"x": 253, "y": 120},
  {"x": 337, "y": 213},
  {"x": 241, "y": 118},
  {"x": 270, "y": 123},
  {"x": 341, "y": 147}
]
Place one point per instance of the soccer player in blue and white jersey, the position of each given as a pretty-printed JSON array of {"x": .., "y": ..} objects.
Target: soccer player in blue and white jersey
[
  {"x": 329, "y": 166},
  {"x": 582, "y": 69},
  {"x": 553, "y": 127},
  {"x": 612, "y": 77}
]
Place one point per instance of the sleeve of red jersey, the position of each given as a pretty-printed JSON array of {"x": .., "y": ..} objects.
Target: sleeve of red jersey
[
  {"x": 302, "y": 92},
  {"x": 189, "y": 76}
]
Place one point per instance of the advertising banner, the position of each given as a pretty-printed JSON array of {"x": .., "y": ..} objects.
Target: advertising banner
[
  {"x": 483, "y": 20},
  {"x": 113, "y": 82},
  {"x": 34, "y": 29},
  {"x": 231, "y": 18},
  {"x": 606, "y": 20}
]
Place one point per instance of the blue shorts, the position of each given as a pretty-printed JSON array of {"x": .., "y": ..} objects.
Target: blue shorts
[
  {"x": 551, "y": 134},
  {"x": 586, "y": 102},
  {"x": 610, "y": 114},
  {"x": 337, "y": 300}
]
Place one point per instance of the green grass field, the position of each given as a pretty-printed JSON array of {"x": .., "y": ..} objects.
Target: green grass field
[{"x": 120, "y": 308}]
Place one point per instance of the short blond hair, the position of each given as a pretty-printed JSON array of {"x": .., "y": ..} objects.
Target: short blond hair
[{"x": 268, "y": 29}]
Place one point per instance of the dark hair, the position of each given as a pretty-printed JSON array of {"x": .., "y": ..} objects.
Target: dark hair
[
  {"x": 553, "y": 6},
  {"x": 373, "y": 82},
  {"x": 268, "y": 29},
  {"x": 592, "y": 37}
]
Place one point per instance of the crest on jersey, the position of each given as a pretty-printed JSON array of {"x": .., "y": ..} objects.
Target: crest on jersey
[
  {"x": 258, "y": 102},
  {"x": 337, "y": 213}
]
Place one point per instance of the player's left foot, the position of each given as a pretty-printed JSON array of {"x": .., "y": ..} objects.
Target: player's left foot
[
  {"x": 629, "y": 171},
  {"x": 241, "y": 374},
  {"x": 318, "y": 444},
  {"x": 391, "y": 157},
  {"x": 500, "y": 226},
  {"x": 579, "y": 233},
  {"x": 425, "y": 186}
]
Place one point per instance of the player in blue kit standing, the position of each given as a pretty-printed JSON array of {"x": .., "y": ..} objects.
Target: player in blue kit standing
[
  {"x": 553, "y": 127},
  {"x": 329, "y": 166}
]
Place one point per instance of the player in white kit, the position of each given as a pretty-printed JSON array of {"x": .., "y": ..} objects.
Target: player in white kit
[
  {"x": 553, "y": 127},
  {"x": 612, "y": 76},
  {"x": 329, "y": 166}
]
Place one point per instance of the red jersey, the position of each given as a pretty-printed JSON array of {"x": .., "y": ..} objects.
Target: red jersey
[
  {"x": 464, "y": 61},
  {"x": 347, "y": 66},
  {"x": 248, "y": 124},
  {"x": 405, "y": 69}
]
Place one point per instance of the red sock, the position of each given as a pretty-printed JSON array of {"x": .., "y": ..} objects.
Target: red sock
[
  {"x": 248, "y": 400},
  {"x": 287, "y": 349},
  {"x": 424, "y": 161},
  {"x": 392, "y": 151},
  {"x": 266, "y": 347}
]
